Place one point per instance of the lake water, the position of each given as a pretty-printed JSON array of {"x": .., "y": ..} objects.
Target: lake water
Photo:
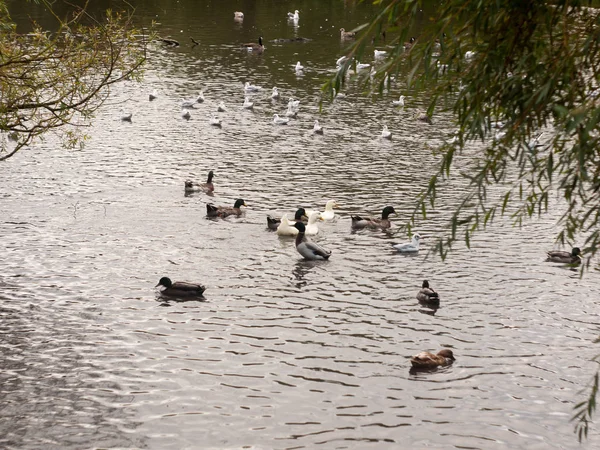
[{"x": 283, "y": 353}]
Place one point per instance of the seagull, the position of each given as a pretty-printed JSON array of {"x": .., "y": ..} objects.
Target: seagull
[
  {"x": 409, "y": 247},
  {"x": 291, "y": 112},
  {"x": 126, "y": 117},
  {"x": 200, "y": 98},
  {"x": 188, "y": 103},
  {"x": 247, "y": 103},
  {"x": 380, "y": 53},
  {"x": 385, "y": 133},
  {"x": 275, "y": 94},
  {"x": 341, "y": 60},
  {"x": 295, "y": 16},
  {"x": 399, "y": 102},
  {"x": 250, "y": 87},
  {"x": 299, "y": 67},
  {"x": 153, "y": 95},
  {"x": 469, "y": 54},
  {"x": 186, "y": 114},
  {"x": 238, "y": 15},
  {"x": 221, "y": 107},
  {"x": 318, "y": 129},
  {"x": 280, "y": 120},
  {"x": 293, "y": 104},
  {"x": 360, "y": 66},
  {"x": 214, "y": 121}
]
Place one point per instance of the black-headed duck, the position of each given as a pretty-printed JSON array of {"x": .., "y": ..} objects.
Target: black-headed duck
[
  {"x": 207, "y": 187},
  {"x": 561, "y": 256},
  {"x": 426, "y": 360},
  {"x": 427, "y": 294},
  {"x": 307, "y": 248},
  {"x": 225, "y": 211},
  {"x": 255, "y": 47},
  {"x": 374, "y": 223},
  {"x": 180, "y": 288}
]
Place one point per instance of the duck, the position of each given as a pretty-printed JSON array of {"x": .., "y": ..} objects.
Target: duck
[
  {"x": 273, "y": 223},
  {"x": 423, "y": 117},
  {"x": 380, "y": 53},
  {"x": 238, "y": 15},
  {"x": 329, "y": 213},
  {"x": 299, "y": 68},
  {"x": 409, "y": 247},
  {"x": 318, "y": 129},
  {"x": 408, "y": 45},
  {"x": 221, "y": 107},
  {"x": 426, "y": 360},
  {"x": 254, "y": 47},
  {"x": 374, "y": 223},
  {"x": 214, "y": 121},
  {"x": 427, "y": 294},
  {"x": 280, "y": 120},
  {"x": 295, "y": 16},
  {"x": 347, "y": 34},
  {"x": 312, "y": 227},
  {"x": 561, "y": 256},
  {"x": 186, "y": 114},
  {"x": 286, "y": 227},
  {"x": 399, "y": 102},
  {"x": 247, "y": 103},
  {"x": 207, "y": 187},
  {"x": 180, "y": 288},
  {"x": 308, "y": 249},
  {"x": 153, "y": 95},
  {"x": 225, "y": 211},
  {"x": 250, "y": 87},
  {"x": 275, "y": 94},
  {"x": 385, "y": 133}
]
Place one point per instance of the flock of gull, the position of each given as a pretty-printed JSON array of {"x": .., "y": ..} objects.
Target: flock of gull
[{"x": 305, "y": 223}]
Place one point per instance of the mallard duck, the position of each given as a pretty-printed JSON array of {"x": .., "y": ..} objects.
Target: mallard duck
[
  {"x": 273, "y": 222},
  {"x": 409, "y": 247},
  {"x": 399, "y": 102},
  {"x": 280, "y": 120},
  {"x": 180, "y": 288},
  {"x": 408, "y": 45},
  {"x": 328, "y": 214},
  {"x": 299, "y": 68},
  {"x": 385, "y": 133},
  {"x": 294, "y": 16},
  {"x": 426, "y": 360},
  {"x": 312, "y": 227},
  {"x": 275, "y": 94},
  {"x": 347, "y": 34},
  {"x": 374, "y": 223},
  {"x": 225, "y": 211},
  {"x": 318, "y": 129},
  {"x": 427, "y": 294},
  {"x": 250, "y": 87},
  {"x": 254, "y": 47},
  {"x": 215, "y": 122},
  {"x": 561, "y": 256},
  {"x": 221, "y": 107},
  {"x": 307, "y": 248},
  {"x": 207, "y": 187}
]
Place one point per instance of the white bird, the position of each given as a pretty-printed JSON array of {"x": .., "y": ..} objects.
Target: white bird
[
  {"x": 153, "y": 95},
  {"x": 188, "y": 103},
  {"x": 186, "y": 114},
  {"x": 221, "y": 107},
  {"x": 380, "y": 53},
  {"x": 312, "y": 227},
  {"x": 126, "y": 117},
  {"x": 280, "y": 120},
  {"x": 341, "y": 60},
  {"x": 328, "y": 214},
  {"x": 318, "y": 129},
  {"x": 275, "y": 94},
  {"x": 214, "y": 121},
  {"x": 409, "y": 247},
  {"x": 295, "y": 16},
  {"x": 200, "y": 98},
  {"x": 238, "y": 15},
  {"x": 291, "y": 112},
  {"x": 399, "y": 102},
  {"x": 469, "y": 54},
  {"x": 299, "y": 67},
  {"x": 247, "y": 103},
  {"x": 337, "y": 94},
  {"x": 360, "y": 66},
  {"x": 250, "y": 87},
  {"x": 293, "y": 104},
  {"x": 286, "y": 227},
  {"x": 385, "y": 133}
]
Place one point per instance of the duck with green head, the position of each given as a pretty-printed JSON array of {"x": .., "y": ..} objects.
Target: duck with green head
[
  {"x": 225, "y": 211},
  {"x": 373, "y": 223},
  {"x": 428, "y": 295},
  {"x": 307, "y": 248},
  {"x": 180, "y": 288},
  {"x": 561, "y": 256}
]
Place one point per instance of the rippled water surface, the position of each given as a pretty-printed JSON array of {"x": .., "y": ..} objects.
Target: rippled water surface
[{"x": 283, "y": 353}]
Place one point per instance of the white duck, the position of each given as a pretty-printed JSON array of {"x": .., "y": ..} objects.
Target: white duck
[
  {"x": 312, "y": 227},
  {"x": 250, "y": 87},
  {"x": 399, "y": 102},
  {"x": 318, "y": 129},
  {"x": 385, "y": 133},
  {"x": 299, "y": 68},
  {"x": 247, "y": 103},
  {"x": 214, "y": 121},
  {"x": 280, "y": 120},
  {"x": 221, "y": 107},
  {"x": 275, "y": 94},
  {"x": 286, "y": 227},
  {"x": 328, "y": 214},
  {"x": 295, "y": 16},
  {"x": 409, "y": 247}
]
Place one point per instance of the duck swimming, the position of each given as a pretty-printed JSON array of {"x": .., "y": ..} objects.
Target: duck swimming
[
  {"x": 307, "y": 248},
  {"x": 328, "y": 214},
  {"x": 347, "y": 34},
  {"x": 207, "y": 187},
  {"x": 426, "y": 360},
  {"x": 374, "y": 223},
  {"x": 312, "y": 226},
  {"x": 180, "y": 288},
  {"x": 560, "y": 256},
  {"x": 273, "y": 223},
  {"x": 254, "y": 47},
  {"x": 409, "y": 247},
  {"x": 225, "y": 211},
  {"x": 427, "y": 294}
]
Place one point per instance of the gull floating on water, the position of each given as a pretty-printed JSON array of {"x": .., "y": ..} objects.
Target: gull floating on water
[
  {"x": 275, "y": 94},
  {"x": 385, "y": 133},
  {"x": 214, "y": 121},
  {"x": 318, "y": 129},
  {"x": 400, "y": 101},
  {"x": 299, "y": 67},
  {"x": 360, "y": 66},
  {"x": 221, "y": 107},
  {"x": 247, "y": 103},
  {"x": 238, "y": 15},
  {"x": 280, "y": 120},
  {"x": 293, "y": 104},
  {"x": 409, "y": 247},
  {"x": 295, "y": 16},
  {"x": 186, "y": 114},
  {"x": 250, "y": 87},
  {"x": 380, "y": 53}
]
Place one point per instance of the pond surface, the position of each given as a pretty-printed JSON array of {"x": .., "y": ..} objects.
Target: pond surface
[{"x": 283, "y": 353}]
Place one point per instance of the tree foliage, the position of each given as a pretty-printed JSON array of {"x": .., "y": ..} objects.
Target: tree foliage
[
  {"x": 56, "y": 80},
  {"x": 521, "y": 78}
]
